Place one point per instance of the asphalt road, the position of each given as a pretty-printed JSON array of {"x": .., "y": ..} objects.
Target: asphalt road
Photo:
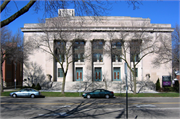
[{"x": 61, "y": 107}]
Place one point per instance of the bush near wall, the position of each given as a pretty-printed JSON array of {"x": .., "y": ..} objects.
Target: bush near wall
[
  {"x": 176, "y": 86},
  {"x": 158, "y": 87}
]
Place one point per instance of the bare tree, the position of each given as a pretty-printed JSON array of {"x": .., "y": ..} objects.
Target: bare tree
[
  {"x": 49, "y": 7},
  {"x": 136, "y": 44},
  {"x": 175, "y": 46},
  {"x": 168, "y": 52},
  {"x": 64, "y": 44},
  {"x": 88, "y": 7},
  {"x": 34, "y": 74},
  {"x": 12, "y": 48}
]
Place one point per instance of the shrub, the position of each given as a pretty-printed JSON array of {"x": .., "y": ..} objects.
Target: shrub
[
  {"x": 158, "y": 85},
  {"x": 167, "y": 89},
  {"x": 176, "y": 86},
  {"x": 33, "y": 86},
  {"x": 38, "y": 87}
]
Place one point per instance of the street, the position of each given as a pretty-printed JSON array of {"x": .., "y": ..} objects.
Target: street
[{"x": 66, "y": 107}]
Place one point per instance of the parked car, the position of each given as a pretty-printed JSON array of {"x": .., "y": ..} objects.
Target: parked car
[
  {"x": 26, "y": 92},
  {"x": 99, "y": 93}
]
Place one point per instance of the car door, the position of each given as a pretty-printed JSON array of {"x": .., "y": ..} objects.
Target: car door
[
  {"x": 96, "y": 93},
  {"x": 23, "y": 93},
  {"x": 102, "y": 93},
  {"x": 30, "y": 91}
]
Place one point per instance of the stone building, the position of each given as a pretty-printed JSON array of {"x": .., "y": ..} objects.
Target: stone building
[{"x": 95, "y": 64}]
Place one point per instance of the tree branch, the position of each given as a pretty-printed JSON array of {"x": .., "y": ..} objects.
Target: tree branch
[
  {"x": 17, "y": 14},
  {"x": 4, "y": 4}
]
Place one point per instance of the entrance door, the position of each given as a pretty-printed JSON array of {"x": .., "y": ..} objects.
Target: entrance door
[
  {"x": 98, "y": 74},
  {"x": 116, "y": 74},
  {"x": 79, "y": 74}
]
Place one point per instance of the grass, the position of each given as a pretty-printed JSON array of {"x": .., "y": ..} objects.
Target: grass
[
  {"x": 76, "y": 94},
  {"x": 58, "y": 94},
  {"x": 168, "y": 94}
]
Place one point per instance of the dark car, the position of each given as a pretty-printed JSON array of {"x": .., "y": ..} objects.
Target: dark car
[
  {"x": 26, "y": 92},
  {"x": 99, "y": 93}
]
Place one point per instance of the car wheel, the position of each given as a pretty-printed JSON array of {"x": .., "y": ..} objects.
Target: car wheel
[
  {"x": 107, "y": 96},
  {"x": 14, "y": 95},
  {"x": 32, "y": 96},
  {"x": 88, "y": 96}
]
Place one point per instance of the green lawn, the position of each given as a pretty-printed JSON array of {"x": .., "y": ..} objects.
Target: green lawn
[
  {"x": 168, "y": 94},
  {"x": 76, "y": 94}
]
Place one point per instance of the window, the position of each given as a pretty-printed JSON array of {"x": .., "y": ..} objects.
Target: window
[
  {"x": 79, "y": 74},
  {"x": 8, "y": 74},
  {"x": 79, "y": 57},
  {"x": 117, "y": 74},
  {"x": 136, "y": 72},
  {"x": 134, "y": 57},
  {"x": 135, "y": 46},
  {"x": 98, "y": 51},
  {"x": 61, "y": 58},
  {"x": 116, "y": 51},
  {"x": 60, "y": 50},
  {"x": 8, "y": 61},
  {"x": 97, "y": 91},
  {"x": 60, "y": 72},
  {"x": 79, "y": 51},
  {"x": 97, "y": 57},
  {"x": 98, "y": 74},
  {"x": 116, "y": 58}
]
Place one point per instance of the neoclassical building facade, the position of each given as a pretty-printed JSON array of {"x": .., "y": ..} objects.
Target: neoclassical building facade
[{"x": 98, "y": 48}]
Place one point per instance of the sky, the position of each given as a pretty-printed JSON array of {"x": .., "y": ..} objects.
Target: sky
[{"x": 159, "y": 11}]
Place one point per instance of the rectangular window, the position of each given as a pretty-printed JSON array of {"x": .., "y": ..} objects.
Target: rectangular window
[
  {"x": 60, "y": 72},
  {"x": 79, "y": 74},
  {"x": 135, "y": 46},
  {"x": 97, "y": 57},
  {"x": 136, "y": 72},
  {"x": 60, "y": 50},
  {"x": 98, "y": 51},
  {"x": 116, "y": 58},
  {"x": 116, "y": 51},
  {"x": 8, "y": 61},
  {"x": 116, "y": 74},
  {"x": 79, "y": 51},
  {"x": 8, "y": 74},
  {"x": 61, "y": 58},
  {"x": 98, "y": 74}
]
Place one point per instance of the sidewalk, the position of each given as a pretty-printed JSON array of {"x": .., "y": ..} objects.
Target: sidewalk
[
  {"x": 145, "y": 91},
  {"x": 11, "y": 89}
]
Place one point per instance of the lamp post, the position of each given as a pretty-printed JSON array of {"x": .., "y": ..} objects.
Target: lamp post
[{"x": 15, "y": 75}]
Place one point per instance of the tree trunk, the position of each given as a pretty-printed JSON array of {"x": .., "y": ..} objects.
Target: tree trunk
[
  {"x": 2, "y": 88},
  {"x": 134, "y": 77},
  {"x": 134, "y": 80},
  {"x": 63, "y": 85}
]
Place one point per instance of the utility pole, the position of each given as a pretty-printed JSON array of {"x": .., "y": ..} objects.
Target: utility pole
[{"x": 125, "y": 67}]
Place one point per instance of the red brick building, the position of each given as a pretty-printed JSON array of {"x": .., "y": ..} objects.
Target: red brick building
[{"x": 12, "y": 71}]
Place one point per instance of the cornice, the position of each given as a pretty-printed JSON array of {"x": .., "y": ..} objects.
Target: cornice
[{"x": 99, "y": 29}]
